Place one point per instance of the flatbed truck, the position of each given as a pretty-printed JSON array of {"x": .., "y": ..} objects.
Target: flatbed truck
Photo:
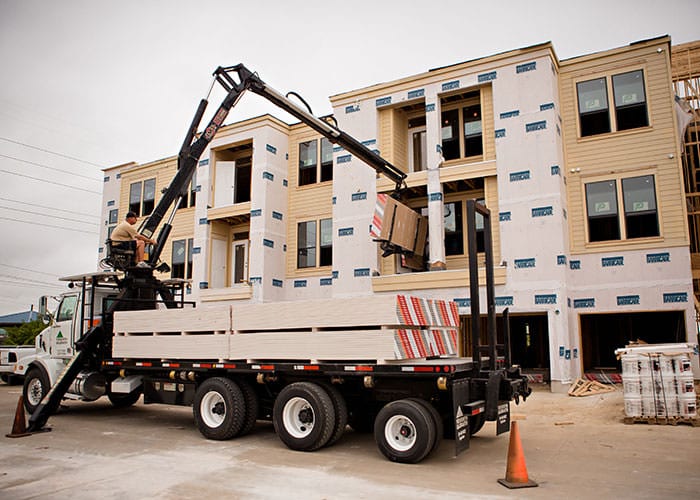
[{"x": 409, "y": 404}]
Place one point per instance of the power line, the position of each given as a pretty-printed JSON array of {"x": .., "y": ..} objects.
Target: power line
[
  {"x": 31, "y": 285},
  {"x": 51, "y": 152},
  {"x": 47, "y": 215},
  {"x": 51, "y": 208},
  {"x": 50, "y": 168},
  {"x": 27, "y": 280},
  {"x": 48, "y": 225},
  {"x": 27, "y": 269},
  {"x": 50, "y": 182}
]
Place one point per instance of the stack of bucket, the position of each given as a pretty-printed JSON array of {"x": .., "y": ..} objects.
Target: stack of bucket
[{"x": 658, "y": 383}]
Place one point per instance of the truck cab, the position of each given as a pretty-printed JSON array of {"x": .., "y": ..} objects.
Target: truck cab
[{"x": 79, "y": 309}]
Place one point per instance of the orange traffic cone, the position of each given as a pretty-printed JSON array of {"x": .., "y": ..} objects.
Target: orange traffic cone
[
  {"x": 516, "y": 470},
  {"x": 19, "y": 427}
]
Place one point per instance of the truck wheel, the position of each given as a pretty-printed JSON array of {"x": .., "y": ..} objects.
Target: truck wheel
[
  {"x": 36, "y": 386},
  {"x": 437, "y": 421},
  {"x": 123, "y": 400},
  {"x": 303, "y": 416},
  {"x": 251, "y": 407},
  {"x": 404, "y": 431},
  {"x": 219, "y": 408},
  {"x": 341, "y": 413},
  {"x": 476, "y": 423}
]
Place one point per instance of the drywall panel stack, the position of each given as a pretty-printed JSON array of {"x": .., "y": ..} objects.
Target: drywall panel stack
[
  {"x": 378, "y": 328},
  {"x": 201, "y": 333},
  {"x": 658, "y": 381},
  {"x": 384, "y": 327}
]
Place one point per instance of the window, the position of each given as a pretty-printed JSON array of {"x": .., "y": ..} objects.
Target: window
[
  {"x": 142, "y": 202},
  {"x": 242, "y": 178},
  {"x": 455, "y": 216},
  {"x": 629, "y": 98},
  {"x": 308, "y": 241},
  {"x": 309, "y": 162},
  {"x": 181, "y": 262},
  {"x": 417, "y": 144},
  {"x": 190, "y": 199},
  {"x": 66, "y": 310},
  {"x": 638, "y": 195},
  {"x": 114, "y": 216},
  {"x": 462, "y": 135},
  {"x": 135, "y": 198},
  {"x": 306, "y": 244},
  {"x": 149, "y": 196}
]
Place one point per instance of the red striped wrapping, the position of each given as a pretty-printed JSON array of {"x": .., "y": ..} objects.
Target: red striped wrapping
[
  {"x": 421, "y": 343},
  {"x": 375, "y": 229}
]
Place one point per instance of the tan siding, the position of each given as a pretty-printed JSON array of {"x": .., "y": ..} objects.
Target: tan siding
[
  {"x": 312, "y": 202},
  {"x": 488, "y": 127},
  {"x": 626, "y": 153}
]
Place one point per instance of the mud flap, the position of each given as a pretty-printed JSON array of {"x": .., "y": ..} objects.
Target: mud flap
[
  {"x": 462, "y": 409},
  {"x": 503, "y": 420}
]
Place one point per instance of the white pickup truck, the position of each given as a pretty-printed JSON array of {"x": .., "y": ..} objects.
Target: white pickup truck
[{"x": 14, "y": 361}]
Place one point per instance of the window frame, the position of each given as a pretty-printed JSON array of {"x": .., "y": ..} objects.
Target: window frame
[
  {"x": 135, "y": 202},
  {"x": 612, "y": 109},
  {"x": 322, "y": 254},
  {"x": 321, "y": 170},
  {"x": 459, "y": 106},
  {"x": 622, "y": 213},
  {"x": 148, "y": 202},
  {"x": 186, "y": 265}
]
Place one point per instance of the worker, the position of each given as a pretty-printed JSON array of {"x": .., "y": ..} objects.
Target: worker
[{"x": 126, "y": 237}]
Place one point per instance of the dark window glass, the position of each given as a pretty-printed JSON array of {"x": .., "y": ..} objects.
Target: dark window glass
[
  {"x": 66, "y": 310},
  {"x": 308, "y": 153},
  {"x": 473, "y": 145},
  {"x": 149, "y": 196},
  {"x": 135, "y": 198},
  {"x": 178, "y": 259},
  {"x": 630, "y": 100},
  {"x": 326, "y": 243},
  {"x": 241, "y": 183},
  {"x": 326, "y": 160},
  {"x": 641, "y": 219},
  {"x": 114, "y": 216},
  {"x": 306, "y": 244},
  {"x": 601, "y": 204},
  {"x": 593, "y": 107},
  {"x": 454, "y": 229},
  {"x": 450, "y": 134}
]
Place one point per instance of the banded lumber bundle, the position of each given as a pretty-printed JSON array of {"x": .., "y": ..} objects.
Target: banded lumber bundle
[{"x": 381, "y": 327}]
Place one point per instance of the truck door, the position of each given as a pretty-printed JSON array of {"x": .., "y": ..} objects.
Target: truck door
[{"x": 61, "y": 333}]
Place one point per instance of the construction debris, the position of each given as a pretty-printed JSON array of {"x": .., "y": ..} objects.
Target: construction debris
[{"x": 588, "y": 388}]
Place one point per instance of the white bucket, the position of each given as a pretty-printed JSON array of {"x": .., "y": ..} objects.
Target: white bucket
[
  {"x": 644, "y": 365},
  {"x": 682, "y": 365},
  {"x": 648, "y": 407},
  {"x": 633, "y": 406},
  {"x": 688, "y": 405},
  {"x": 631, "y": 385},
  {"x": 686, "y": 385},
  {"x": 630, "y": 364}
]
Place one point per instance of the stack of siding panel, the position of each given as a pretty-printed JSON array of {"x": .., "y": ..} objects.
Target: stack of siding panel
[
  {"x": 201, "y": 333},
  {"x": 380, "y": 327}
]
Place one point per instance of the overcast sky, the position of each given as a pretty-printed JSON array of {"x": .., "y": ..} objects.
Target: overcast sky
[{"x": 89, "y": 84}]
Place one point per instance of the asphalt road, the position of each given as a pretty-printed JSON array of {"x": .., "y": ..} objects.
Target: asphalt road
[{"x": 575, "y": 448}]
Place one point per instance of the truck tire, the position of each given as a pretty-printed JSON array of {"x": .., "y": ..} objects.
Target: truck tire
[
  {"x": 404, "y": 431},
  {"x": 124, "y": 400},
  {"x": 219, "y": 408},
  {"x": 476, "y": 423},
  {"x": 303, "y": 416},
  {"x": 36, "y": 386},
  {"x": 341, "y": 413},
  {"x": 437, "y": 421},
  {"x": 251, "y": 407}
]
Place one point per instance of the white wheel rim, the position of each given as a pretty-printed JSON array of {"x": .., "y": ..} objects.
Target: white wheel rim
[
  {"x": 34, "y": 391},
  {"x": 298, "y": 417},
  {"x": 400, "y": 433},
  {"x": 213, "y": 409}
]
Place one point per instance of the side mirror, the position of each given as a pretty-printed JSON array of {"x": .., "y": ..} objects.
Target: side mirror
[{"x": 48, "y": 319}]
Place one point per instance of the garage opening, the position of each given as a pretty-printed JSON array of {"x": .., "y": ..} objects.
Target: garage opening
[
  {"x": 529, "y": 339},
  {"x": 601, "y": 334}
]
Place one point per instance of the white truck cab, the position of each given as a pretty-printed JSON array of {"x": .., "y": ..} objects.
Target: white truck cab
[{"x": 79, "y": 310}]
